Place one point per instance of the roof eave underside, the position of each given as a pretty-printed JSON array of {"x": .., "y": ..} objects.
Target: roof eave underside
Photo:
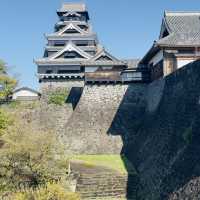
[
  {"x": 61, "y": 12},
  {"x": 152, "y": 51},
  {"x": 80, "y": 62}
]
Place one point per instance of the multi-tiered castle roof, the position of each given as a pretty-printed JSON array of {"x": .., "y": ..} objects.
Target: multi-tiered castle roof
[{"x": 73, "y": 51}]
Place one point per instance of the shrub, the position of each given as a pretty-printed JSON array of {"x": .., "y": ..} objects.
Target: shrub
[
  {"x": 30, "y": 157},
  {"x": 14, "y": 104},
  {"x": 57, "y": 97},
  {"x": 5, "y": 121},
  {"x": 8, "y": 83},
  {"x": 53, "y": 191}
]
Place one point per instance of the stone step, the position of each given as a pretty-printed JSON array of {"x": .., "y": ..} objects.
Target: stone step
[{"x": 91, "y": 188}]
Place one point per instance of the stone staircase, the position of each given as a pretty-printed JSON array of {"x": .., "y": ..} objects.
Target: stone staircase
[
  {"x": 101, "y": 185},
  {"x": 100, "y": 182}
]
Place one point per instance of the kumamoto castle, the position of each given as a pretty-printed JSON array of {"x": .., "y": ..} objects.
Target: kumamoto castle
[
  {"x": 144, "y": 113},
  {"x": 74, "y": 55}
]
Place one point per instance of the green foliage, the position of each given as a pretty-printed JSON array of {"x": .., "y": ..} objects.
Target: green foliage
[
  {"x": 51, "y": 192},
  {"x": 2, "y": 67},
  {"x": 7, "y": 82},
  {"x": 30, "y": 157},
  {"x": 14, "y": 104},
  {"x": 20, "y": 105},
  {"x": 5, "y": 121},
  {"x": 57, "y": 97},
  {"x": 187, "y": 135}
]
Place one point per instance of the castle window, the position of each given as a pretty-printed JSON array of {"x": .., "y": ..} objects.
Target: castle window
[
  {"x": 82, "y": 43},
  {"x": 49, "y": 71},
  {"x": 83, "y": 27},
  {"x": 71, "y": 31},
  {"x": 67, "y": 71},
  {"x": 59, "y": 43},
  {"x": 69, "y": 55}
]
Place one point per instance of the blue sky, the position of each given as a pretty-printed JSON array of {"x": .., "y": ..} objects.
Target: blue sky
[{"x": 126, "y": 28}]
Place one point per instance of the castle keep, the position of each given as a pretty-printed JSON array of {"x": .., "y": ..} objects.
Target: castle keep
[{"x": 73, "y": 53}]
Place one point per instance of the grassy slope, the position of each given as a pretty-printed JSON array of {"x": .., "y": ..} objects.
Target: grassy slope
[{"x": 114, "y": 162}]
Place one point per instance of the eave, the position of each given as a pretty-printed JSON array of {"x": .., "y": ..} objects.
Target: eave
[
  {"x": 61, "y": 12},
  {"x": 71, "y": 37},
  {"x": 152, "y": 51},
  {"x": 177, "y": 46}
]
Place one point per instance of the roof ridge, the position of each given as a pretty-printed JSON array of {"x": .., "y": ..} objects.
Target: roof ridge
[
  {"x": 74, "y": 6},
  {"x": 74, "y": 3},
  {"x": 181, "y": 13},
  {"x": 26, "y": 88}
]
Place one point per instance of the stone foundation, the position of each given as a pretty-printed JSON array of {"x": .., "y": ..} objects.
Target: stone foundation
[
  {"x": 49, "y": 84},
  {"x": 88, "y": 129}
]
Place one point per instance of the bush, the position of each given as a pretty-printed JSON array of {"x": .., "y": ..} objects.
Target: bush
[
  {"x": 14, "y": 104},
  {"x": 51, "y": 192},
  {"x": 5, "y": 121},
  {"x": 30, "y": 157},
  {"x": 8, "y": 83},
  {"x": 57, "y": 97}
]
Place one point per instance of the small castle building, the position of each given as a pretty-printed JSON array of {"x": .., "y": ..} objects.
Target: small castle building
[
  {"x": 178, "y": 44},
  {"x": 25, "y": 94}
]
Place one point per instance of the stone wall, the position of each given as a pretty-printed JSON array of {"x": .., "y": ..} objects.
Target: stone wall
[
  {"x": 165, "y": 147},
  {"x": 88, "y": 129},
  {"x": 55, "y": 84},
  {"x": 49, "y": 116}
]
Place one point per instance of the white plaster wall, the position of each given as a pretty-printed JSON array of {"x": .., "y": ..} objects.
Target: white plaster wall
[
  {"x": 24, "y": 93},
  {"x": 90, "y": 69},
  {"x": 107, "y": 67},
  {"x": 181, "y": 63},
  {"x": 131, "y": 76},
  {"x": 157, "y": 58}
]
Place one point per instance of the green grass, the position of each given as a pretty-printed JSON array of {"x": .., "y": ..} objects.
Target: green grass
[{"x": 113, "y": 162}]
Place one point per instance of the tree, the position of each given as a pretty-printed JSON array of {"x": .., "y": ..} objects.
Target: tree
[
  {"x": 30, "y": 157},
  {"x": 7, "y": 83},
  {"x": 5, "y": 121}
]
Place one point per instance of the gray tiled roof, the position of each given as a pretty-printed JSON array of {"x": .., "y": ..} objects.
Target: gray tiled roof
[
  {"x": 181, "y": 39},
  {"x": 182, "y": 22},
  {"x": 26, "y": 88},
  {"x": 183, "y": 28},
  {"x": 77, "y": 7}
]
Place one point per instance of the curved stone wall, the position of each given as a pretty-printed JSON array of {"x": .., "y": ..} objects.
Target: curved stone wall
[{"x": 88, "y": 129}]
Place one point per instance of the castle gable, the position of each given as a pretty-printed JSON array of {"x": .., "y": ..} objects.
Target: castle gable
[
  {"x": 71, "y": 48},
  {"x": 71, "y": 29},
  {"x": 180, "y": 29},
  {"x": 103, "y": 55}
]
